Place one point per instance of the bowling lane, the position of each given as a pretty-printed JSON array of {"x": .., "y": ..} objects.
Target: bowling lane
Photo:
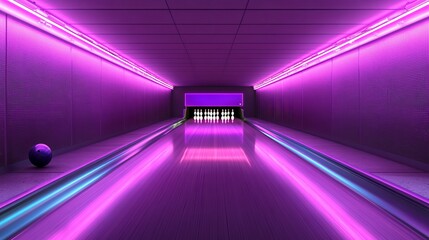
[{"x": 217, "y": 181}]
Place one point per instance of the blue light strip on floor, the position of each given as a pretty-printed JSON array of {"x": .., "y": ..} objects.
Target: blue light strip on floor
[
  {"x": 17, "y": 215},
  {"x": 407, "y": 210}
]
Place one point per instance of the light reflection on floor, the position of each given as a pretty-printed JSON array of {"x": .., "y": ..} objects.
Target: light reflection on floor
[
  {"x": 200, "y": 136},
  {"x": 214, "y": 155}
]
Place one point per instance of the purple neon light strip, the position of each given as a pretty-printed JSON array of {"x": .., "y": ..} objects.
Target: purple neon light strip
[
  {"x": 385, "y": 26},
  {"x": 33, "y": 15}
]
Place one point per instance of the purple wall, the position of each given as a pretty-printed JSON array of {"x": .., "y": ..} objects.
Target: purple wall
[
  {"x": 375, "y": 97},
  {"x": 178, "y": 100},
  {"x": 2, "y": 89},
  {"x": 66, "y": 97}
]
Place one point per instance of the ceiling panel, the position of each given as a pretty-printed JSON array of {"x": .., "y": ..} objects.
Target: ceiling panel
[
  {"x": 211, "y": 39},
  {"x": 158, "y": 55},
  {"x": 146, "y": 46},
  {"x": 129, "y": 29},
  {"x": 315, "y": 17},
  {"x": 103, "y": 16},
  {"x": 199, "y": 17},
  {"x": 285, "y": 39},
  {"x": 208, "y": 29},
  {"x": 325, "y": 4},
  {"x": 155, "y": 51},
  {"x": 264, "y": 56},
  {"x": 138, "y": 39},
  {"x": 218, "y": 4},
  {"x": 101, "y": 4},
  {"x": 279, "y": 46},
  {"x": 221, "y": 42},
  {"x": 209, "y": 51},
  {"x": 204, "y": 46},
  {"x": 308, "y": 29},
  {"x": 209, "y": 55}
]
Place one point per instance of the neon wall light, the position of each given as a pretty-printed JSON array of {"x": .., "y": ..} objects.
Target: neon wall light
[
  {"x": 214, "y": 100},
  {"x": 34, "y": 15},
  {"x": 398, "y": 20}
]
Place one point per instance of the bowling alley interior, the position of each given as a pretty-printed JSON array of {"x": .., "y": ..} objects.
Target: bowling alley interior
[{"x": 214, "y": 119}]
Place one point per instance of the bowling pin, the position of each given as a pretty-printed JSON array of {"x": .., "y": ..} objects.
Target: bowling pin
[{"x": 210, "y": 115}]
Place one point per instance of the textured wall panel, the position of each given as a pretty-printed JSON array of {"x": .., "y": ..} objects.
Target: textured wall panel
[
  {"x": 394, "y": 93},
  {"x": 317, "y": 99},
  {"x": 112, "y": 105},
  {"x": 2, "y": 89},
  {"x": 375, "y": 97},
  {"x": 293, "y": 111},
  {"x": 131, "y": 104},
  {"x": 345, "y": 98},
  {"x": 38, "y": 90},
  {"x": 86, "y": 88},
  {"x": 66, "y": 97},
  {"x": 278, "y": 113}
]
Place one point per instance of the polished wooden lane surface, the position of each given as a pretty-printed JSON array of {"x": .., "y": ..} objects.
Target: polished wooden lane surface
[{"x": 217, "y": 181}]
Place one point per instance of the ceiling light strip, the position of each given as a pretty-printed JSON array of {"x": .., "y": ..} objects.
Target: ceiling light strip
[
  {"x": 35, "y": 16},
  {"x": 385, "y": 26}
]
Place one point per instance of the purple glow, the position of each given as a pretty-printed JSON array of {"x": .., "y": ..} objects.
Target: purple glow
[
  {"x": 385, "y": 26},
  {"x": 194, "y": 131},
  {"x": 33, "y": 15},
  {"x": 82, "y": 222},
  {"x": 219, "y": 129},
  {"x": 325, "y": 204},
  {"x": 214, "y": 155},
  {"x": 214, "y": 100}
]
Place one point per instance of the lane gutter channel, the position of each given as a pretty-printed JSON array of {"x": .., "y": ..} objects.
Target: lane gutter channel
[
  {"x": 410, "y": 211},
  {"x": 18, "y": 214}
]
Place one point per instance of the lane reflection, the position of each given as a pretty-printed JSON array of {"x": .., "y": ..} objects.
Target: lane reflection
[
  {"x": 214, "y": 142},
  {"x": 115, "y": 193},
  {"x": 325, "y": 203}
]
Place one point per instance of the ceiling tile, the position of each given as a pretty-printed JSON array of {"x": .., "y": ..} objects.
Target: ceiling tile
[
  {"x": 215, "y": 39},
  {"x": 126, "y": 29},
  {"x": 111, "y": 17},
  {"x": 287, "y": 39},
  {"x": 298, "y": 29},
  {"x": 320, "y": 17},
  {"x": 325, "y": 4},
  {"x": 138, "y": 39},
  {"x": 218, "y": 4},
  {"x": 101, "y": 4},
  {"x": 207, "y": 29},
  {"x": 146, "y": 46},
  {"x": 195, "y": 17},
  {"x": 199, "y": 46}
]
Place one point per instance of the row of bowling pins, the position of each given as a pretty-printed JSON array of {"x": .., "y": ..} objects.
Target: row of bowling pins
[{"x": 213, "y": 114}]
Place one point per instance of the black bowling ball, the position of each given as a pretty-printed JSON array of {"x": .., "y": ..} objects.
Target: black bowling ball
[{"x": 40, "y": 155}]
